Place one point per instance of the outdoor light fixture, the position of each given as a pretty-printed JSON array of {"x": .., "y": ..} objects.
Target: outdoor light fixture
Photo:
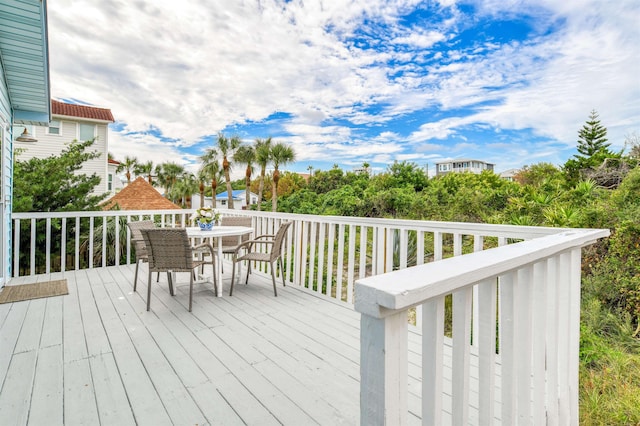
[{"x": 26, "y": 137}]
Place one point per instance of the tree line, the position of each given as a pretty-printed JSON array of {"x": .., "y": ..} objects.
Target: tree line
[{"x": 215, "y": 168}]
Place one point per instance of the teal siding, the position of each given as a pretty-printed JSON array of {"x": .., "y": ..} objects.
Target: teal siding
[{"x": 6, "y": 121}]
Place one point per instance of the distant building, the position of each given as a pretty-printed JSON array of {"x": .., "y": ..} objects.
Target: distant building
[
  {"x": 510, "y": 174},
  {"x": 114, "y": 184},
  {"x": 463, "y": 165},
  {"x": 69, "y": 122},
  {"x": 239, "y": 199}
]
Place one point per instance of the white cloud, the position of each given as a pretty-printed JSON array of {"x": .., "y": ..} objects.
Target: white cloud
[{"x": 191, "y": 69}]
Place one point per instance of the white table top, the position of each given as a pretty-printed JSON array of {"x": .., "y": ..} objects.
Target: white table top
[{"x": 218, "y": 231}]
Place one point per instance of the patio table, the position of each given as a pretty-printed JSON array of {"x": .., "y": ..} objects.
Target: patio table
[{"x": 217, "y": 232}]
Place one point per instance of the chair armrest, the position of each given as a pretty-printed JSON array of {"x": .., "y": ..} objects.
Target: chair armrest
[
  {"x": 249, "y": 244},
  {"x": 206, "y": 246},
  {"x": 263, "y": 236}
]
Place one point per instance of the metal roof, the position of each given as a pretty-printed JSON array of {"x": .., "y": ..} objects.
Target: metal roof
[{"x": 24, "y": 52}]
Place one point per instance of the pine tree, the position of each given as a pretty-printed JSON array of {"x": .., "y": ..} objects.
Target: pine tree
[{"x": 592, "y": 138}]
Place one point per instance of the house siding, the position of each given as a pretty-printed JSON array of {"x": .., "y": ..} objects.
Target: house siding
[
  {"x": 463, "y": 165},
  {"x": 6, "y": 119},
  {"x": 48, "y": 145},
  {"x": 24, "y": 96}
]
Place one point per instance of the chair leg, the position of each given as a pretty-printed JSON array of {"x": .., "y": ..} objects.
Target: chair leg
[
  {"x": 215, "y": 279},
  {"x": 281, "y": 271},
  {"x": 172, "y": 291},
  {"x": 273, "y": 279},
  {"x": 233, "y": 276},
  {"x": 149, "y": 292},
  {"x": 135, "y": 276},
  {"x": 190, "y": 291},
  {"x": 158, "y": 278},
  {"x": 246, "y": 280}
]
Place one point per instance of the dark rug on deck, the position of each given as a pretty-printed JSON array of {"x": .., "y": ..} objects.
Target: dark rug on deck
[{"x": 17, "y": 293}]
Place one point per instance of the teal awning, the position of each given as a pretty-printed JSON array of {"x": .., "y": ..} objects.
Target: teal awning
[{"x": 24, "y": 51}]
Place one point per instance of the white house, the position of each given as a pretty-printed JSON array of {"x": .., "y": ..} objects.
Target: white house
[
  {"x": 509, "y": 174},
  {"x": 70, "y": 122},
  {"x": 24, "y": 96},
  {"x": 463, "y": 165},
  {"x": 114, "y": 183},
  {"x": 239, "y": 199}
]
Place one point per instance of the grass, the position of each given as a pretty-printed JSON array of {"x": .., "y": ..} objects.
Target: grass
[
  {"x": 609, "y": 371},
  {"x": 610, "y": 391}
]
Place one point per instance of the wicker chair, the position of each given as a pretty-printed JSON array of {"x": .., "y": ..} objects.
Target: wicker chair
[
  {"x": 169, "y": 250},
  {"x": 271, "y": 256},
  {"x": 138, "y": 242},
  {"x": 230, "y": 244}
]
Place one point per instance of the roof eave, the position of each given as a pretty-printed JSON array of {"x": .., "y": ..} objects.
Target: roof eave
[
  {"x": 23, "y": 91},
  {"x": 76, "y": 118}
]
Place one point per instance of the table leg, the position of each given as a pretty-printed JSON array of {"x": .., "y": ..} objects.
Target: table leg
[
  {"x": 219, "y": 267},
  {"x": 239, "y": 274}
]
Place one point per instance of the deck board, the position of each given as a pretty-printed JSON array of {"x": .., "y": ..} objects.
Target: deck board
[
  {"x": 47, "y": 397},
  {"x": 96, "y": 356}
]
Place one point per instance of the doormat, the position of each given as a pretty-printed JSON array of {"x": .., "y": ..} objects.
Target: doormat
[{"x": 18, "y": 293}]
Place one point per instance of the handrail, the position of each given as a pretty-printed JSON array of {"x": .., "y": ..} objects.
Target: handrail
[
  {"x": 399, "y": 290},
  {"x": 529, "y": 292},
  {"x": 319, "y": 247}
]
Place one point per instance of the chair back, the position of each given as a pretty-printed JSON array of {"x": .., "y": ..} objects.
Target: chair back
[
  {"x": 169, "y": 249},
  {"x": 136, "y": 236},
  {"x": 278, "y": 241},
  {"x": 236, "y": 221}
]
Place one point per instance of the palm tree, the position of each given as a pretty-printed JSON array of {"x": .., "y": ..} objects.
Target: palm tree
[
  {"x": 246, "y": 155},
  {"x": 145, "y": 169},
  {"x": 227, "y": 147},
  {"x": 184, "y": 188},
  {"x": 262, "y": 147},
  {"x": 202, "y": 177},
  {"x": 129, "y": 165},
  {"x": 211, "y": 168},
  {"x": 281, "y": 154},
  {"x": 169, "y": 176}
]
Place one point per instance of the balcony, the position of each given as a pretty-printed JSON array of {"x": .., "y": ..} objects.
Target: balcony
[{"x": 381, "y": 322}]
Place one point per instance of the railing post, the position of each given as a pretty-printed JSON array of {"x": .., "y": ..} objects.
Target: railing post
[
  {"x": 383, "y": 369},
  {"x": 574, "y": 333}
]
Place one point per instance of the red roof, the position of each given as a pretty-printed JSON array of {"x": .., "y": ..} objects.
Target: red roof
[
  {"x": 139, "y": 195},
  {"x": 110, "y": 161},
  {"x": 82, "y": 111}
]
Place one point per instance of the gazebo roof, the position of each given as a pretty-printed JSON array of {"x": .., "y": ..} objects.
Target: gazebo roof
[{"x": 139, "y": 195}]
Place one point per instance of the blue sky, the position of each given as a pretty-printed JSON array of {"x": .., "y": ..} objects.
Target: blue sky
[{"x": 348, "y": 82}]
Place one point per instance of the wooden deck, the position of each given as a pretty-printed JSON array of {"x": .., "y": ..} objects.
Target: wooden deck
[{"x": 96, "y": 356}]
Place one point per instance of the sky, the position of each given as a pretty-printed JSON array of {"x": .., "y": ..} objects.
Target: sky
[{"x": 348, "y": 82}]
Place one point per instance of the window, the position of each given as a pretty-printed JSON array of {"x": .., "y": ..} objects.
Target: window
[
  {"x": 443, "y": 167},
  {"x": 54, "y": 127},
  {"x": 86, "y": 132},
  {"x": 110, "y": 182},
  {"x": 223, "y": 202}
]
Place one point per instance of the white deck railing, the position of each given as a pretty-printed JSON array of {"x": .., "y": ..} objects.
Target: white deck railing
[
  {"x": 529, "y": 292},
  {"x": 323, "y": 253},
  {"x": 521, "y": 300}
]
